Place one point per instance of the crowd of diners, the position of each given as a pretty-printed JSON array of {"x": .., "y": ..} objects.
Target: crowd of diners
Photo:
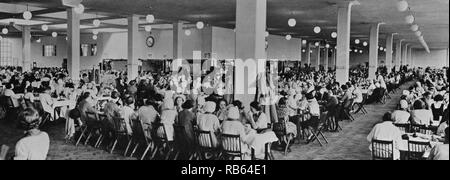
[
  {"x": 305, "y": 100},
  {"x": 424, "y": 105}
]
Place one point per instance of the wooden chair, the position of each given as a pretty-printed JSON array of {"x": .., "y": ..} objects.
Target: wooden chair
[
  {"x": 205, "y": 144},
  {"x": 138, "y": 137},
  {"x": 417, "y": 149},
  {"x": 231, "y": 145},
  {"x": 318, "y": 132},
  {"x": 382, "y": 150},
  {"x": 4, "y": 152},
  {"x": 360, "y": 106},
  {"x": 150, "y": 145},
  {"x": 120, "y": 131},
  {"x": 404, "y": 128},
  {"x": 104, "y": 129},
  {"x": 423, "y": 129},
  {"x": 279, "y": 129},
  {"x": 93, "y": 125},
  {"x": 160, "y": 139}
]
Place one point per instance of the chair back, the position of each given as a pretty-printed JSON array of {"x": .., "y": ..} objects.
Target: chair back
[
  {"x": 119, "y": 125},
  {"x": 138, "y": 130},
  {"x": 91, "y": 118},
  {"x": 382, "y": 150},
  {"x": 231, "y": 144},
  {"x": 279, "y": 128},
  {"x": 422, "y": 129},
  {"x": 204, "y": 139},
  {"x": 159, "y": 132},
  {"x": 417, "y": 149},
  {"x": 404, "y": 128}
]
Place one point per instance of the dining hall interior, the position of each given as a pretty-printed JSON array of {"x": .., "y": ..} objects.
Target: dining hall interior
[{"x": 224, "y": 79}]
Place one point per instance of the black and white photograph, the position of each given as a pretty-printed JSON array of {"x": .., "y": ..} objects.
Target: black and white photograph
[{"x": 240, "y": 82}]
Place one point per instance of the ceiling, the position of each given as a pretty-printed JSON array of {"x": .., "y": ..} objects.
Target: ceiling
[{"x": 431, "y": 15}]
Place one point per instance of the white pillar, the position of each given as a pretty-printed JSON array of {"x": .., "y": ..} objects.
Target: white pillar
[
  {"x": 133, "y": 37},
  {"x": 308, "y": 54},
  {"x": 178, "y": 46},
  {"x": 398, "y": 55},
  {"x": 325, "y": 65},
  {"x": 404, "y": 54},
  {"x": 250, "y": 47},
  {"x": 73, "y": 44},
  {"x": 389, "y": 46},
  {"x": 317, "y": 66},
  {"x": 409, "y": 57},
  {"x": 373, "y": 50},
  {"x": 26, "y": 49},
  {"x": 343, "y": 41}
]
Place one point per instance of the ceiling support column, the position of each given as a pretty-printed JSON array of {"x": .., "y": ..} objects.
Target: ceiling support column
[
  {"x": 73, "y": 47},
  {"x": 389, "y": 47},
  {"x": 343, "y": 41},
  {"x": 250, "y": 47},
  {"x": 178, "y": 46},
  {"x": 133, "y": 62},
  {"x": 373, "y": 50},
  {"x": 404, "y": 54},
  {"x": 398, "y": 55},
  {"x": 26, "y": 49}
]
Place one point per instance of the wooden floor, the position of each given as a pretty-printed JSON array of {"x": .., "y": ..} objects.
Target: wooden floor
[{"x": 349, "y": 144}]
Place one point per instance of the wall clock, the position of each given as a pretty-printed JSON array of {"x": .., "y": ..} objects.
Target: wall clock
[{"x": 150, "y": 41}]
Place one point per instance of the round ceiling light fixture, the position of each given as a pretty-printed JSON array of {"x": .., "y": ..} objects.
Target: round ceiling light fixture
[
  {"x": 304, "y": 41},
  {"x": 414, "y": 27},
  {"x": 200, "y": 25},
  {"x": 95, "y": 32},
  {"x": 381, "y": 48},
  {"x": 27, "y": 15},
  {"x": 44, "y": 27},
  {"x": 327, "y": 46},
  {"x": 54, "y": 34},
  {"x": 361, "y": 51},
  {"x": 96, "y": 22},
  {"x": 317, "y": 29},
  {"x": 317, "y": 44},
  {"x": 187, "y": 32},
  {"x": 409, "y": 19},
  {"x": 38, "y": 40},
  {"x": 402, "y": 6},
  {"x": 292, "y": 22},
  {"x": 94, "y": 37},
  {"x": 150, "y": 18},
  {"x": 148, "y": 28},
  {"x": 357, "y": 41},
  {"x": 334, "y": 34},
  {"x": 356, "y": 50},
  {"x": 5, "y": 30},
  {"x": 303, "y": 50},
  {"x": 288, "y": 37},
  {"x": 79, "y": 9},
  {"x": 365, "y": 44}
]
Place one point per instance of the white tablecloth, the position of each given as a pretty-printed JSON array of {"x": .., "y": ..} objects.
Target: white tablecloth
[
  {"x": 403, "y": 146},
  {"x": 258, "y": 142}
]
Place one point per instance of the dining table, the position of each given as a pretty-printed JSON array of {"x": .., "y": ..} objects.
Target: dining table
[
  {"x": 258, "y": 142},
  {"x": 418, "y": 137}
]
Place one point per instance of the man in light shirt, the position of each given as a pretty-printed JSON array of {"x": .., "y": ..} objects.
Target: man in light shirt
[{"x": 387, "y": 131}]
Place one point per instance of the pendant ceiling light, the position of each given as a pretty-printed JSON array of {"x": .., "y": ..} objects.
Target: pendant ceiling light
[
  {"x": 94, "y": 37},
  {"x": 27, "y": 14},
  {"x": 292, "y": 22},
  {"x": 360, "y": 51},
  {"x": 317, "y": 29},
  {"x": 95, "y": 32},
  {"x": 402, "y": 6},
  {"x": 356, "y": 50},
  {"x": 288, "y": 37},
  {"x": 381, "y": 48},
  {"x": 96, "y": 22},
  {"x": 304, "y": 41},
  {"x": 148, "y": 28},
  {"x": 5, "y": 30},
  {"x": 357, "y": 41},
  {"x": 38, "y": 40},
  {"x": 200, "y": 25},
  {"x": 317, "y": 44},
  {"x": 79, "y": 9},
  {"x": 150, "y": 18},
  {"x": 44, "y": 27},
  {"x": 334, "y": 34},
  {"x": 327, "y": 46},
  {"x": 187, "y": 32},
  {"x": 365, "y": 44},
  {"x": 54, "y": 34}
]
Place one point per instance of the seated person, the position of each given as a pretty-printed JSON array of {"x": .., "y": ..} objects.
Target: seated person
[
  {"x": 387, "y": 131},
  {"x": 283, "y": 117},
  {"x": 147, "y": 114},
  {"x": 10, "y": 93},
  {"x": 35, "y": 144},
  {"x": 420, "y": 115},
  {"x": 401, "y": 116},
  {"x": 440, "y": 151},
  {"x": 314, "y": 113},
  {"x": 258, "y": 119},
  {"x": 209, "y": 122},
  {"x": 233, "y": 126}
]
